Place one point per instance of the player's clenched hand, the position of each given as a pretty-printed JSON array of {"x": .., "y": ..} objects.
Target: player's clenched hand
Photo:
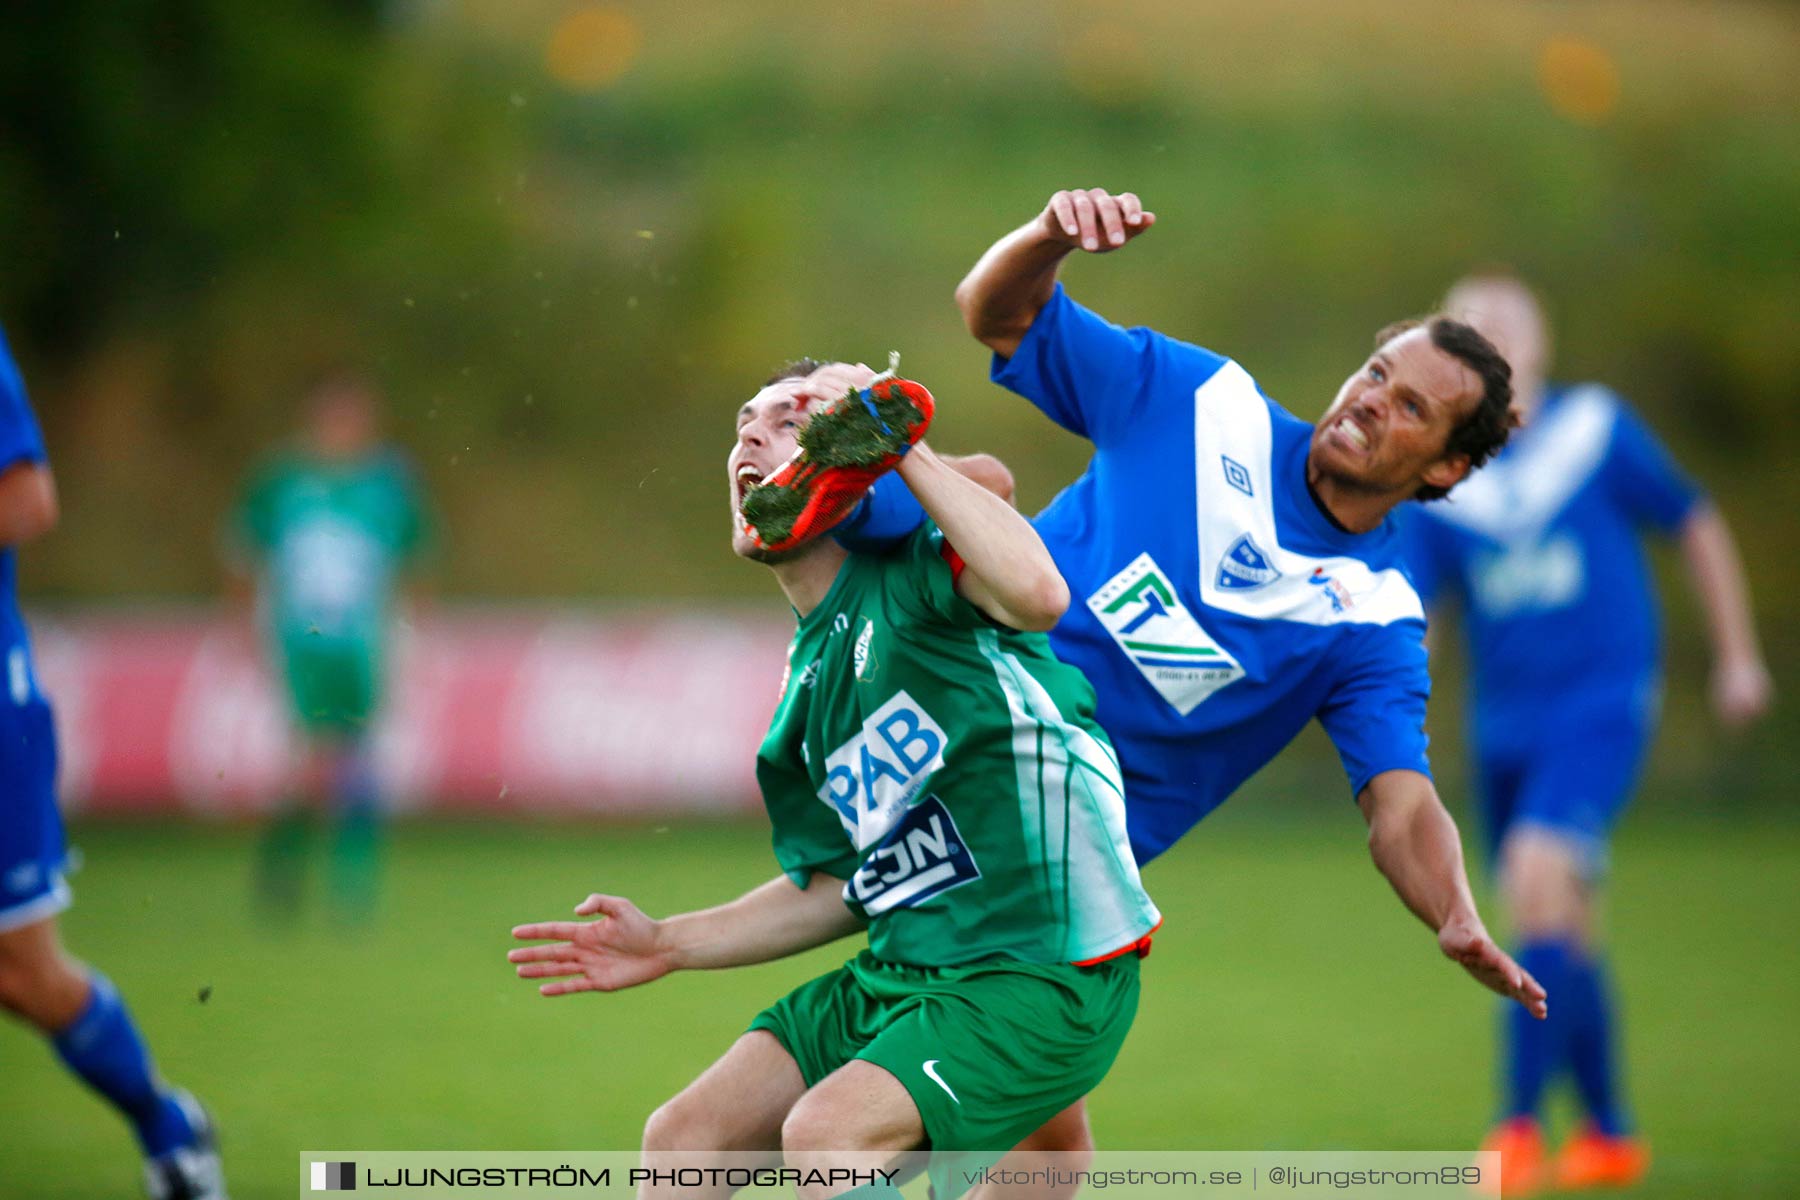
[
  {"x": 1492, "y": 967},
  {"x": 1094, "y": 219},
  {"x": 620, "y": 950}
]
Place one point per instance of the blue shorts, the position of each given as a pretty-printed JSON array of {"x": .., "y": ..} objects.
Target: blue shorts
[
  {"x": 1572, "y": 785},
  {"x": 31, "y": 831}
]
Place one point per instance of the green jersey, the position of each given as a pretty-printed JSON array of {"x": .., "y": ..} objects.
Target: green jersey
[
  {"x": 329, "y": 539},
  {"x": 951, "y": 772}
]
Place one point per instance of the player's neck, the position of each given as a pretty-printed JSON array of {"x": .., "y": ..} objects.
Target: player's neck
[
  {"x": 1352, "y": 509},
  {"x": 806, "y": 579}
]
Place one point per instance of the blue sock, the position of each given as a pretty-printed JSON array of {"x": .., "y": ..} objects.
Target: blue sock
[
  {"x": 103, "y": 1047},
  {"x": 1591, "y": 1044},
  {"x": 1535, "y": 1050}
]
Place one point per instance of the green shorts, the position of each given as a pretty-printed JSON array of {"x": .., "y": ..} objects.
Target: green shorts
[
  {"x": 334, "y": 692},
  {"x": 988, "y": 1050}
]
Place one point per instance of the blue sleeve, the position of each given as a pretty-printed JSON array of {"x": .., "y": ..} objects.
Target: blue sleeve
[
  {"x": 1426, "y": 553},
  {"x": 1375, "y": 712},
  {"x": 885, "y": 518},
  {"x": 20, "y": 438},
  {"x": 1094, "y": 378},
  {"x": 1645, "y": 477}
]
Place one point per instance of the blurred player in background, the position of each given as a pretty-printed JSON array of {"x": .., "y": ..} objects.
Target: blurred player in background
[
  {"x": 1235, "y": 572},
  {"x": 1542, "y": 550},
  {"x": 933, "y": 773},
  {"x": 322, "y": 536},
  {"x": 73, "y": 1005}
]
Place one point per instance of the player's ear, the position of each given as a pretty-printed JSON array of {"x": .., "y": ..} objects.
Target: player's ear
[{"x": 1446, "y": 472}]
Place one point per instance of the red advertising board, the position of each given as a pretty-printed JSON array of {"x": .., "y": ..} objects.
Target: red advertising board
[{"x": 487, "y": 711}]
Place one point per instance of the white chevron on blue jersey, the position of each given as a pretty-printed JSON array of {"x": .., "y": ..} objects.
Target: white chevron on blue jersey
[
  {"x": 1519, "y": 494},
  {"x": 1231, "y": 420}
]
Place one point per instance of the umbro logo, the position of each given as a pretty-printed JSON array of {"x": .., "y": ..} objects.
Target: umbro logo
[{"x": 1236, "y": 475}]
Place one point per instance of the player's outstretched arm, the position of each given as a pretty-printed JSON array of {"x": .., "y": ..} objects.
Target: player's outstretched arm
[
  {"x": 625, "y": 948},
  {"x": 1002, "y": 293},
  {"x": 1415, "y": 844},
  {"x": 1007, "y": 572},
  {"x": 1742, "y": 689}
]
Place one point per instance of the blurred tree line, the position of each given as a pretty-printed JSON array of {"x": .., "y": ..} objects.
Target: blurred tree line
[{"x": 569, "y": 238}]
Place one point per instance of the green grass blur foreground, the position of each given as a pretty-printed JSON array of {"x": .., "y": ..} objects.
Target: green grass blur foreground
[{"x": 1290, "y": 1002}]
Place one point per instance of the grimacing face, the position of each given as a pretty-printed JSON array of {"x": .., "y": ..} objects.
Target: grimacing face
[
  {"x": 767, "y": 428},
  {"x": 1389, "y": 426}
]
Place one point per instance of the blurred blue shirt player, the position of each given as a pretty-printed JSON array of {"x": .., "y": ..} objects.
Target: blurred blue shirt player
[
  {"x": 1543, "y": 552},
  {"x": 75, "y": 1007}
]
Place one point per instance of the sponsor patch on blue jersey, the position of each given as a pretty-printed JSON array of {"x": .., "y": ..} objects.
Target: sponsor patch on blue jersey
[
  {"x": 922, "y": 856},
  {"x": 1245, "y": 566},
  {"x": 1332, "y": 589},
  {"x": 1139, "y": 607}
]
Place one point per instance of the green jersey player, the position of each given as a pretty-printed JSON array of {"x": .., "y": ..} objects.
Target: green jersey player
[
  {"x": 933, "y": 774},
  {"x": 325, "y": 531}
]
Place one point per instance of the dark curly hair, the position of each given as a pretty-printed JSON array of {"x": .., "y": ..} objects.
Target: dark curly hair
[{"x": 1480, "y": 434}]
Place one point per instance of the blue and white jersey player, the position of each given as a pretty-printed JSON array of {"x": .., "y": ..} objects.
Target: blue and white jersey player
[
  {"x": 73, "y": 1006},
  {"x": 1234, "y": 569},
  {"x": 1543, "y": 550}
]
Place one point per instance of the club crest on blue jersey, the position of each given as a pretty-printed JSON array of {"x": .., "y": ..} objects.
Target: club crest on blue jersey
[
  {"x": 922, "y": 856},
  {"x": 1245, "y": 566},
  {"x": 1236, "y": 475}
]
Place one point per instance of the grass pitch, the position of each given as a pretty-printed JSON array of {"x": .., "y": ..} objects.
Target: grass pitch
[{"x": 1290, "y": 1003}]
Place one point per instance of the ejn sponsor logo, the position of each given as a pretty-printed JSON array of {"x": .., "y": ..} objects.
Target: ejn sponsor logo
[{"x": 334, "y": 1177}]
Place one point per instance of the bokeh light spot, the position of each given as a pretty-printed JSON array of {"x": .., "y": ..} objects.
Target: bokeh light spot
[
  {"x": 592, "y": 47},
  {"x": 1580, "y": 80}
]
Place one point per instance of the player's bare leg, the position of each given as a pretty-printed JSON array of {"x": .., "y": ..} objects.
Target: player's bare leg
[
  {"x": 737, "y": 1105},
  {"x": 856, "y": 1115},
  {"x": 39, "y": 982},
  {"x": 1064, "y": 1142}
]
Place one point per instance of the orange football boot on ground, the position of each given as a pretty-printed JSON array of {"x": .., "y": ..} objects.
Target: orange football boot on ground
[
  {"x": 843, "y": 450},
  {"x": 1520, "y": 1145},
  {"x": 1591, "y": 1159}
]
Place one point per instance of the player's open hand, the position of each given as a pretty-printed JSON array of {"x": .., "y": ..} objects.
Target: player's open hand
[
  {"x": 1470, "y": 945},
  {"x": 1094, "y": 219},
  {"x": 620, "y": 950}
]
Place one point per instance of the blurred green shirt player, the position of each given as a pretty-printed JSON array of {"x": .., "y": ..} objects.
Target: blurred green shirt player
[{"x": 326, "y": 530}]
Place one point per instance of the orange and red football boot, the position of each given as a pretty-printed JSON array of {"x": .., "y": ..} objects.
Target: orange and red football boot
[
  {"x": 1520, "y": 1144},
  {"x": 1591, "y": 1159},
  {"x": 843, "y": 450}
]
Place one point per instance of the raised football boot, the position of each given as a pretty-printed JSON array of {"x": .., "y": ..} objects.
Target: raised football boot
[{"x": 843, "y": 450}]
